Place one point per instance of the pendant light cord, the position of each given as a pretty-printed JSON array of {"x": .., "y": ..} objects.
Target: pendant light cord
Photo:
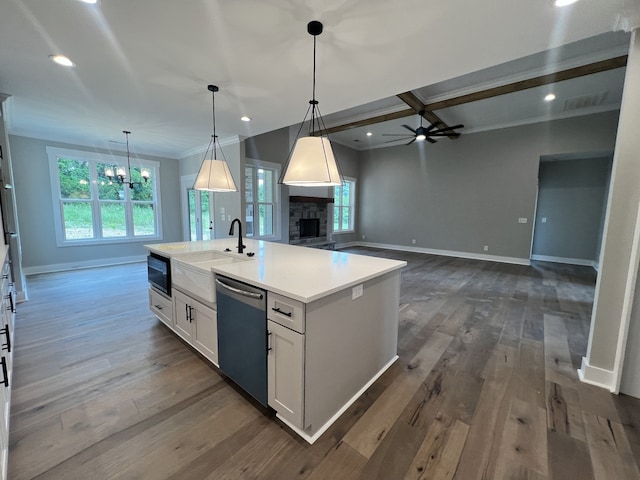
[
  {"x": 126, "y": 134},
  {"x": 313, "y": 99},
  {"x": 213, "y": 114}
]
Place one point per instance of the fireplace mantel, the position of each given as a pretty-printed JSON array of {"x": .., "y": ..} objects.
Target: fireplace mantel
[{"x": 299, "y": 199}]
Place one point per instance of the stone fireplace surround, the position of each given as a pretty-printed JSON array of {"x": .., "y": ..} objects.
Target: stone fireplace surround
[{"x": 309, "y": 207}]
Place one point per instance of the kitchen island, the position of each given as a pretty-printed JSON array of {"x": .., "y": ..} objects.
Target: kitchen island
[{"x": 331, "y": 319}]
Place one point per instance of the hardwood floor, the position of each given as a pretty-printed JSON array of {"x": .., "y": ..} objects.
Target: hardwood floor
[{"x": 485, "y": 388}]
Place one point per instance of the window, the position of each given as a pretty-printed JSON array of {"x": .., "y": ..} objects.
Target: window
[
  {"x": 261, "y": 199},
  {"x": 90, "y": 208},
  {"x": 344, "y": 202}
]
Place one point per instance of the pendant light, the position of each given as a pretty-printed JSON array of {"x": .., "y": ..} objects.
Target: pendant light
[
  {"x": 311, "y": 162},
  {"x": 214, "y": 175}
]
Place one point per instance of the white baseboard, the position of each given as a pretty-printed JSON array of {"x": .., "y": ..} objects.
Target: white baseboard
[
  {"x": 597, "y": 376},
  {"x": 347, "y": 245},
  {"x": 447, "y": 253},
  {"x": 570, "y": 261},
  {"x": 101, "y": 262}
]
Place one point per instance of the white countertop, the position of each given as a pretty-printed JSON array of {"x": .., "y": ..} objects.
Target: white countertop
[{"x": 301, "y": 273}]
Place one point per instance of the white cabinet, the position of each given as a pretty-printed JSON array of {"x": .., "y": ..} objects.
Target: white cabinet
[
  {"x": 7, "y": 316},
  {"x": 285, "y": 364},
  {"x": 197, "y": 324},
  {"x": 161, "y": 306},
  {"x": 285, "y": 361}
]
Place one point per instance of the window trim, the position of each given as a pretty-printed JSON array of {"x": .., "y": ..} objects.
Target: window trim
[
  {"x": 93, "y": 157},
  {"x": 277, "y": 214},
  {"x": 352, "y": 207}
]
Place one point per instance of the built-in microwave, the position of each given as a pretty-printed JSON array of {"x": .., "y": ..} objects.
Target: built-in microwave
[{"x": 159, "y": 272}]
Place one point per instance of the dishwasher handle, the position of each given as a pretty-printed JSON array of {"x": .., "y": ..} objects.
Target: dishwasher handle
[{"x": 244, "y": 293}]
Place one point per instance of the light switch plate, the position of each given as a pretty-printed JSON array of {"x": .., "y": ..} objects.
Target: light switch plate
[
  {"x": 522, "y": 220},
  {"x": 357, "y": 291}
]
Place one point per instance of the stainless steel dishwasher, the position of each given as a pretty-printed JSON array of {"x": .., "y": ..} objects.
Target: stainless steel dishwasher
[{"x": 242, "y": 335}]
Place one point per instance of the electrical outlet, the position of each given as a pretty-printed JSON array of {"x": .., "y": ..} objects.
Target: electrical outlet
[
  {"x": 364, "y": 237},
  {"x": 544, "y": 219},
  {"x": 413, "y": 241},
  {"x": 522, "y": 220},
  {"x": 486, "y": 248},
  {"x": 357, "y": 291}
]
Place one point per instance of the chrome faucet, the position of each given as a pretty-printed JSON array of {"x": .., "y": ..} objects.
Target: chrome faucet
[{"x": 240, "y": 245}]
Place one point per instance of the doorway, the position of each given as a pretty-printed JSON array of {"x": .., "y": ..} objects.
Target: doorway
[
  {"x": 572, "y": 201},
  {"x": 198, "y": 208}
]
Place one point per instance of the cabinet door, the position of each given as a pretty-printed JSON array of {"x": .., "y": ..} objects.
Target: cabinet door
[
  {"x": 285, "y": 382},
  {"x": 183, "y": 315},
  {"x": 205, "y": 331}
]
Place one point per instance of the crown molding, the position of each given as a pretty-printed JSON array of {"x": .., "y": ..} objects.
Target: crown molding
[{"x": 233, "y": 140}]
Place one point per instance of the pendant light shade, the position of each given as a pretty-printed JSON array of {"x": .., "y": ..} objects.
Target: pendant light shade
[
  {"x": 214, "y": 175},
  {"x": 311, "y": 162}
]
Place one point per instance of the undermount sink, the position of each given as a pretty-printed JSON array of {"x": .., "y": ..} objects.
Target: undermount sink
[{"x": 192, "y": 273}]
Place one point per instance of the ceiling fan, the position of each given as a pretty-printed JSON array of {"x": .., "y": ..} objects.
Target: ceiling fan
[{"x": 425, "y": 133}]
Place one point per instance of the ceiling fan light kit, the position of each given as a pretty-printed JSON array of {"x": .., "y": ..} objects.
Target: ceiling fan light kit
[
  {"x": 214, "y": 175},
  {"x": 311, "y": 162}
]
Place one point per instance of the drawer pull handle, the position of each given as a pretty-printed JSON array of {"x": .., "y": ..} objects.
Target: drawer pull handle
[
  {"x": 5, "y": 331},
  {"x": 277, "y": 310},
  {"x": 159, "y": 307},
  {"x": 269, "y": 342},
  {"x": 4, "y": 372}
]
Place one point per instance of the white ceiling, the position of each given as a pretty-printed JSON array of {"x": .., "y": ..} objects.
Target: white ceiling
[{"x": 143, "y": 65}]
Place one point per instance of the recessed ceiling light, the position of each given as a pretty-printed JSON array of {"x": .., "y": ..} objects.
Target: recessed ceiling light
[
  {"x": 369, "y": 134},
  {"x": 244, "y": 118},
  {"x": 62, "y": 60},
  {"x": 550, "y": 97},
  {"x": 564, "y": 3},
  {"x": 90, "y": 1}
]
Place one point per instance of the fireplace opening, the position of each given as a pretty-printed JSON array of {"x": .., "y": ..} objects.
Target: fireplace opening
[{"x": 309, "y": 227}]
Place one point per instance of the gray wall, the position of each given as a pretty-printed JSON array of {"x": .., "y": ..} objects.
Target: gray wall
[
  {"x": 571, "y": 197},
  {"x": 35, "y": 211},
  {"x": 459, "y": 195}
]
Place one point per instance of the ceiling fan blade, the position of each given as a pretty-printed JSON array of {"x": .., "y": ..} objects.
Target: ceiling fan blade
[
  {"x": 413, "y": 140},
  {"x": 432, "y": 126},
  {"x": 430, "y": 140},
  {"x": 396, "y": 140},
  {"x": 445, "y": 134},
  {"x": 410, "y": 129},
  {"x": 447, "y": 129},
  {"x": 395, "y": 135}
]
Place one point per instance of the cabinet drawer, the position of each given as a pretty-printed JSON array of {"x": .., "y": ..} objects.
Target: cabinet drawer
[
  {"x": 286, "y": 311},
  {"x": 161, "y": 306}
]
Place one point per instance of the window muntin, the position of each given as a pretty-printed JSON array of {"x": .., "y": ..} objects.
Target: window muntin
[
  {"x": 89, "y": 208},
  {"x": 344, "y": 206}
]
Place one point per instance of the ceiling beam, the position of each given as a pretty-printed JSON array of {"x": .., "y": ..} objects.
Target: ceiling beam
[
  {"x": 597, "y": 67},
  {"x": 370, "y": 121},
  {"x": 602, "y": 66}
]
